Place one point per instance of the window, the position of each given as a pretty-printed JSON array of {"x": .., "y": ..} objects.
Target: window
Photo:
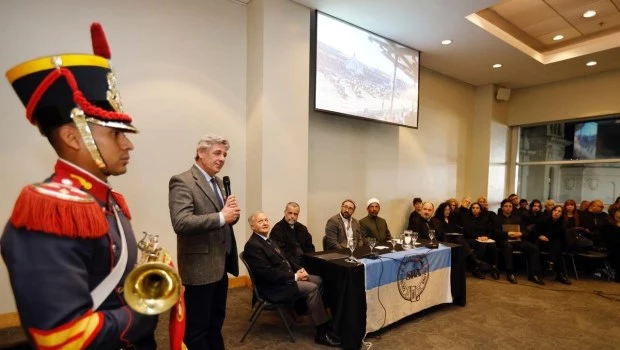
[{"x": 573, "y": 160}]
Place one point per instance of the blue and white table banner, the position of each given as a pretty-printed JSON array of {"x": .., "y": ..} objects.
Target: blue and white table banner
[{"x": 402, "y": 283}]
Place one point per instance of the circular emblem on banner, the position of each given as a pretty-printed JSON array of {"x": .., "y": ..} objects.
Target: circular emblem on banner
[{"x": 412, "y": 276}]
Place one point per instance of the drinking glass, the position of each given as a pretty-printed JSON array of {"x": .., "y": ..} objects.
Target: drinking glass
[
  {"x": 414, "y": 238},
  {"x": 407, "y": 238},
  {"x": 352, "y": 244},
  {"x": 372, "y": 241},
  {"x": 431, "y": 235}
]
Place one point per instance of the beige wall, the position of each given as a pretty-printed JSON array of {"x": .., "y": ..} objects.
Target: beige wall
[
  {"x": 358, "y": 159},
  {"x": 181, "y": 71},
  {"x": 570, "y": 99}
]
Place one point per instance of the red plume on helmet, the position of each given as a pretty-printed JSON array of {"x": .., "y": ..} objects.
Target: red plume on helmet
[{"x": 100, "y": 43}]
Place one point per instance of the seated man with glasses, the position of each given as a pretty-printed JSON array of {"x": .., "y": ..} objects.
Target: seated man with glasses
[
  {"x": 281, "y": 281},
  {"x": 341, "y": 227}
]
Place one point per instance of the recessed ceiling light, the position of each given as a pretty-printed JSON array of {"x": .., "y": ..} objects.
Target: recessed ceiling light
[
  {"x": 497, "y": 65},
  {"x": 558, "y": 37},
  {"x": 446, "y": 42},
  {"x": 591, "y": 63},
  {"x": 589, "y": 14}
]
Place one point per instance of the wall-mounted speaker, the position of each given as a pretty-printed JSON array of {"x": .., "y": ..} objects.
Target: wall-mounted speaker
[{"x": 503, "y": 94}]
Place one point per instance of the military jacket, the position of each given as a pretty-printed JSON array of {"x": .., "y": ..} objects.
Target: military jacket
[{"x": 61, "y": 241}]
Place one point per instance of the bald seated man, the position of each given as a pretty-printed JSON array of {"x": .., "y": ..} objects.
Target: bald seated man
[{"x": 282, "y": 281}]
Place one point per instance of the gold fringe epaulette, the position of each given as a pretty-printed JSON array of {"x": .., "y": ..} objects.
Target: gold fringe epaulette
[{"x": 61, "y": 210}]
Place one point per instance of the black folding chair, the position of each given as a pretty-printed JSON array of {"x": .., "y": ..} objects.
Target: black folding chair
[
  {"x": 262, "y": 304},
  {"x": 593, "y": 255}
]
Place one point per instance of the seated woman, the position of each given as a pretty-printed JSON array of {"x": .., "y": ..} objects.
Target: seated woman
[
  {"x": 611, "y": 235},
  {"x": 575, "y": 240},
  {"x": 447, "y": 218},
  {"x": 549, "y": 233},
  {"x": 478, "y": 233},
  {"x": 531, "y": 217}
]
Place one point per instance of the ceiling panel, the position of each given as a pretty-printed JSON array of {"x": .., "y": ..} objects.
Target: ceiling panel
[
  {"x": 535, "y": 12},
  {"x": 569, "y": 34},
  {"x": 574, "y": 15},
  {"x": 551, "y": 25},
  {"x": 605, "y": 23}
]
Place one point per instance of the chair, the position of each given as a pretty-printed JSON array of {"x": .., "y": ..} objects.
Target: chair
[
  {"x": 527, "y": 263},
  {"x": 262, "y": 304},
  {"x": 592, "y": 255}
]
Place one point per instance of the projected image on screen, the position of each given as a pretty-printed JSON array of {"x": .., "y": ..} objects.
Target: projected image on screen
[
  {"x": 361, "y": 74},
  {"x": 585, "y": 140}
]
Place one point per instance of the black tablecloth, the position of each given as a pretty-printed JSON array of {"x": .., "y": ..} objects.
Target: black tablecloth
[{"x": 344, "y": 289}]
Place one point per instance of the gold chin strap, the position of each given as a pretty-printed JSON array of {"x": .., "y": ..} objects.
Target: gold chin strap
[{"x": 81, "y": 122}]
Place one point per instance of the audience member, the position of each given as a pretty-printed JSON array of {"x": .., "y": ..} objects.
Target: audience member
[
  {"x": 484, "y": 205},
  {"x": 427, "y": 222},
  {"x": 583, "y": 206},
  {"x": 511, "y": 236},
  {"x": 465, "y": 203},
  {"x": 463, "y": 210},
  {"x": 343, "y": 226},
  {"x": 575, "y": 239},
  {"x": 611, "y": 234},
  {"x": 292, "y": 236},
  {"x": 571, "y": 214},
  {"x": 374, "y": 226},
  {"x": 417, "y": 208},
  {"x": 478, "y": 233},
  {"x": 549, "y": 204},
  {"x": 550, "y": 233},
  {"x": 593, "y": 220},
  {"x": 447, "y": 218},
  {"x": 523, "y": 205},
  {"x": 453, "y": 203},
  {"x": 531, "y": 217},
  {"x": 616, "y": 202},
  {"x": 281, "y": 280}
]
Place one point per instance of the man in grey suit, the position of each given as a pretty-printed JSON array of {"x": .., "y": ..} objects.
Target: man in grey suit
[
  {"x": 342, "y": 226},
  {"x": 202, "y": 218}
]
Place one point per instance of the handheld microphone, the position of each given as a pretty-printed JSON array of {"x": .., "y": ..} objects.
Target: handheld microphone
[{"x": 226, "y": 180}]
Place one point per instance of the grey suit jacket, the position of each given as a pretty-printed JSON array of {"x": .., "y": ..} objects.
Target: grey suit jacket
[
  {"x": 201, "y": 245},
  {"x": 336, "y": 236}
]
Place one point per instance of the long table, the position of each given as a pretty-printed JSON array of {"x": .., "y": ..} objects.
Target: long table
[{"x": 349, "y": 290}]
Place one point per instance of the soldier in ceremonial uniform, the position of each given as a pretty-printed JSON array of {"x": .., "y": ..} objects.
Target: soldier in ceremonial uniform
[{"x": 67, "y": 234}]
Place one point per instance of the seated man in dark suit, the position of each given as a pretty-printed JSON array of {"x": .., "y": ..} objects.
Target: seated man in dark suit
[
  {"x": 281, "y": 281},
  {"x": 291, "y": 236}
]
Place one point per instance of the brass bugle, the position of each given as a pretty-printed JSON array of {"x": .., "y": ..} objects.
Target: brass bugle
[{"x": 152, "y": 287}]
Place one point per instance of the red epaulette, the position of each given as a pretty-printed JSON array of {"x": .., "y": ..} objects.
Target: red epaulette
[
  {"x": 120, "y": 200},
  {"x": 59, "y": 209}
]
